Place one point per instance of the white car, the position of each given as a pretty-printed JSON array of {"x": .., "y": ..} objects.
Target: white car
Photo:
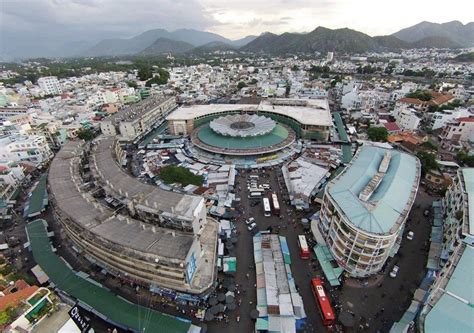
[
  {"x": 410, "y": 235},
  {"x": 394, "y": 272},
  {"x": 251, "y": 226},
  {"x": 250, "y": 221}
]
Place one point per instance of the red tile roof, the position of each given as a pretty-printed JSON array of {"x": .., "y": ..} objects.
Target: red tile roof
[
  {"x": 391, "y": 126},
  {"x": 15, "y": 298},
  {"x": 466, "y": 120},
  {"x": 409, "y": 100}
]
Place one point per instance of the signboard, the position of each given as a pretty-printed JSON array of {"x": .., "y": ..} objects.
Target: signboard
[{"x": 81, "y": 321}]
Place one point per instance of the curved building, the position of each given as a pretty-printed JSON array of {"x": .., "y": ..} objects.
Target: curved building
[
  {"x": 151, "y": 237},
  {"x": 364, "y": 209},
  {"x": 308, "y": 118}
]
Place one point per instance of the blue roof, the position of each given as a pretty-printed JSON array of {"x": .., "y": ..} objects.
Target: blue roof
[
  {"x": 389, "y": 200},
  {"x": 451, "y": 314}
]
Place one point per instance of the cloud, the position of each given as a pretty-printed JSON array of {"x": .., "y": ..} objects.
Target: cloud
[{"x": 31, "y": 25}]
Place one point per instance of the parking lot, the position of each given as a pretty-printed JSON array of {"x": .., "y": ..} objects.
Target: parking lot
[{"x": 378, "y": 301}]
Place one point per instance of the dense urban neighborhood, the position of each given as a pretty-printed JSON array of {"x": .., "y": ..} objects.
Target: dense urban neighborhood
[{"x": 241, "y": 189}]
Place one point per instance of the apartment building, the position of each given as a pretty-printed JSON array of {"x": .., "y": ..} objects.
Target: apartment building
[
  {"x": 364, "y": 209},
  {"x": 461, "y": 129},
  {"x": 440, "y": 119},
  {"x": 449, "y": 303},
  {"x": 21, "y": 148},
  {"x": 50, "y": 85},
  {"x": 133, "y": 122}
]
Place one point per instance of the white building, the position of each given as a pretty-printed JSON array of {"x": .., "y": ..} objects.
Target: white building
[
  {"x": 461, "y": 129},
  {"x": 18, "y": 148},
  {"x": 364, "y": 208},
  {"x": 440, "y": 119},
  {"x": 407, "y": 119},
  {"x": 50, "y": 85}
]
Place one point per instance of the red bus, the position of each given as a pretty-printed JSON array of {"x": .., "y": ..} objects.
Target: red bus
[
  {"x": 275, "y": 204},
  {"x": 304, "y": 248},
  {"x": 325, "y": 309}
]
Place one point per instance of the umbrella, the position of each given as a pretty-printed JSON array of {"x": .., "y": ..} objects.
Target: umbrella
[
  {"x": 234, "y": 239},
  {"x": 208, "y": 316},
  {"x": 213, "y": 310},
  {"x": 220, "y": 308},
  {"x": 229, "y": 246},
  {"x": 232, "y": 287},
  {"x": 213, "y": 301},
  {"x": 346, "y": 319},
  {"x": 254, "y": 314},
  {"x": 229, "y": 299},
  {"x": 221, "y": 297},
  {"x": 231, "y": 306},
  {"x": 230, "y": 293}
]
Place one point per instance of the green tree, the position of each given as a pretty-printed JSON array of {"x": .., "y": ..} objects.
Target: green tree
[
  {"x": 465, "y": 158},
  {"x": 132, "y": 84},
  {"x": 144, "y": 73},
  {"x": 241, "y": 85},
  {"x": 422, "y": 95},
  {"x": 428, "y": 161},
  {"x": 377, "y": 133},
  {"x": 86, "y": 134}
]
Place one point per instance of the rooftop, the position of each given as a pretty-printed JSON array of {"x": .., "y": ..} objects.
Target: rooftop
[
  {"x": 118, "y": 229},
  {"x": 114, "y": 308},
  {"x": 389, "y": 202},
  {"x": 147, "y": 195},
  {"x": 137, "y": 110},
  {"x": 454, "y": 312},
  {"x": 307, "y": 112}
]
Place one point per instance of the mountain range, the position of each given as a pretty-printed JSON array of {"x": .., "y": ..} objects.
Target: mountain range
[
  {"x": 423, "y": 35},
  {"x": 160, "y": 41}
]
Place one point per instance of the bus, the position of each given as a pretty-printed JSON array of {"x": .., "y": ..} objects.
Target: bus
[
  {"x": 267, "y": 212},
  {"x": 275, "y": 204},
  {"x": 304, "y": 248},
  {"x": 325, "y": 309}
]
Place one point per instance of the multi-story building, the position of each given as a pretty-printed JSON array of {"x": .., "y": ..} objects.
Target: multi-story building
[
  {"x": 133, "y": 122},
  {"x": 6, "y": 113},
  {"x": 439, "y": 119},
  {"x": 50, "y": 85},
  {"x": 364, "y": 208},
  {"x": 20, "y": 148},
  {"x": 449, "y": 303},
  {"x": 407, "y": 119},
  {"x": 461, "y": 129},
  {"x": 165, "y": 241}
]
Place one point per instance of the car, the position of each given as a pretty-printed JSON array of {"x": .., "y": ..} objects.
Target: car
[
  {"x": 250, "y": 221},
  {"x": 426, "y": 212},
  {"x": 251, "y": 226},
  {"x": 394, "y": 272},
  {"x": 410, "y": 235}
]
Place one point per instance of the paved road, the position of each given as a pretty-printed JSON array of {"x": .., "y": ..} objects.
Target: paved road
[
  {"x": 384, "y": 302},
  {"x": 301, "y": 269}
]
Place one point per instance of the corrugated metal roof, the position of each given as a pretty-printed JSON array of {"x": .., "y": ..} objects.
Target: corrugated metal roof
[
  {"x": 450, "y": 314},
  {"x": 391, "y": 198}
]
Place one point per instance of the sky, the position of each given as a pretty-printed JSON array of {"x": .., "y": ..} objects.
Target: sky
[{"x": 46, "y": 21}]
